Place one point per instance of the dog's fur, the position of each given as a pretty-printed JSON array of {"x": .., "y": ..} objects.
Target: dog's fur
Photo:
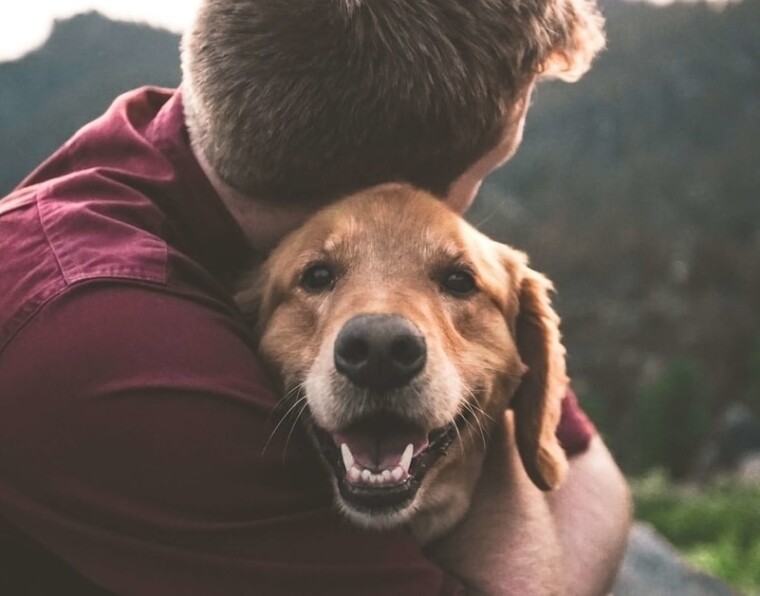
[{"x": 495, "y": 348}]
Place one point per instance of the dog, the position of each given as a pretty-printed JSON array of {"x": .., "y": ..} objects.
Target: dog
[{"x": 408, "y": 333}]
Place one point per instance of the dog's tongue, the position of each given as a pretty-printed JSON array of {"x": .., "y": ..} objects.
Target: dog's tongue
[{"x": 379, "y": 443}]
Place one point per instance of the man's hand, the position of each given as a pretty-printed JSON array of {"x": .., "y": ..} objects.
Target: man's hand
[{"x": 519, "y": 540}]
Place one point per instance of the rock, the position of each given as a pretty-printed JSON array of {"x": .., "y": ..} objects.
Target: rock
[
  {"x": 748, "y": 469},
  {"x": 653, "y": 567},
  {"x": 734, "y": 446}
]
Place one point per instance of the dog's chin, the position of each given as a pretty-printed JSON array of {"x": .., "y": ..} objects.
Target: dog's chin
[{"x": 377, "y": 482}]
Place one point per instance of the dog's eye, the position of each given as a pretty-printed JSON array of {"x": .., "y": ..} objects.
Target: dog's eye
[
  {"x": 459, "y": 283},
  {"x": 318, "y": 277}
]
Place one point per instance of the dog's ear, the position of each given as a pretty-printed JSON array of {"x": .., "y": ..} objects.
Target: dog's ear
[
  {"x": 253, "y": 295},
  {"x": 537, "y": 403}
]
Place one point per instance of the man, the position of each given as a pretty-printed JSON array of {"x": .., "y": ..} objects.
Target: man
[{"x": 133, "y": 411}]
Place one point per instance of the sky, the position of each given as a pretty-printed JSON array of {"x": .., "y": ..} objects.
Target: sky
[{"x": 26, "y": 24}]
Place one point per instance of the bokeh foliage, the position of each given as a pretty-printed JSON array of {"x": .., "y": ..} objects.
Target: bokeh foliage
[{"x": 717, "y": 529}]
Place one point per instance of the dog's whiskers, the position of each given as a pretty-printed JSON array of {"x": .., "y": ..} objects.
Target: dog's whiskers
[
  {"x": 487, "y": 218},
  {"x": 292, "y": 428},
  {"x": 283, "y": 402},
  {"x": 293, "y": 392},
  {"x": 461, "y": 442},
  {"x": 476, "y": 411}
]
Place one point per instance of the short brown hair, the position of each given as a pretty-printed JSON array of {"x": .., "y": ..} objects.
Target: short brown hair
[{"x": 306, "y": 100}]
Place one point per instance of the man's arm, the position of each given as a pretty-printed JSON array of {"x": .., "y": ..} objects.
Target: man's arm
[
  {"x": 133, "y": 426},
  {"x": 517, "y": 540},
  {"x": 592, "y": 511}
]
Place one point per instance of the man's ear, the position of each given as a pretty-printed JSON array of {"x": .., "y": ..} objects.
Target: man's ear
[{"x": 537, "y": 404}]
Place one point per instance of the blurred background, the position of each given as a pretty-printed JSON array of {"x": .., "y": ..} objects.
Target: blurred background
[{"x": 637, "y": 190}]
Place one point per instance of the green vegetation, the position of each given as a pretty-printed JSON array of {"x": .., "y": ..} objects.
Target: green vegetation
[
  {"x": 675, "y": 400},
  {"x": 716, "y": 528},
  {"x": 753, "y": 366}
]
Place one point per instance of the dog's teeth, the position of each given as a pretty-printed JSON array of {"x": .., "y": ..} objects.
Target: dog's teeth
[
  {"x": 357, "y": 475},
  {"x": 348, "y": 458},
  {"x": 406, "y": 458}
]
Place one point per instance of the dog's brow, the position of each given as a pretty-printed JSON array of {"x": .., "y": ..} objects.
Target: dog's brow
[
  {"x": 311, "y": 256},
  {"x": 337, "y": 244},
  {"x": 330, "y": 252},
  {"x": 452, "y": 255},
  {"x": 331, "y": 243},
  {"x": 301, "y": 261}
]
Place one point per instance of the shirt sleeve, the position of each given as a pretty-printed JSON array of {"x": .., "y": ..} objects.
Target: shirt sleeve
[
  {"x": 140, "y": 443},
  {"x": 575, "y": 429}
]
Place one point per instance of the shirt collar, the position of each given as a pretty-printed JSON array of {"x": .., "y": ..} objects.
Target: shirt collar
[{"x": 206, "y": 228}]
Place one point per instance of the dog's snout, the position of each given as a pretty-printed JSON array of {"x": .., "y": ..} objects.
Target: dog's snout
[{"x": 380, "y": 352}]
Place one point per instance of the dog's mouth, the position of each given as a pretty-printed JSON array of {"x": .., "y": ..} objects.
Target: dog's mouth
[{"x": 380, "y": 461}]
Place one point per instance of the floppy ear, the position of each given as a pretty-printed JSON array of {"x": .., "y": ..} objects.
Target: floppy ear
[
  {"x": 537, "y": 403},
  {"x": 248, "y": 296},
  {"x": 255, "y": 294}
]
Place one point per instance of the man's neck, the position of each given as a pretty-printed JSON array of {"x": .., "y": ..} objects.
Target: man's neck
[{"x": 263, "y": 222}]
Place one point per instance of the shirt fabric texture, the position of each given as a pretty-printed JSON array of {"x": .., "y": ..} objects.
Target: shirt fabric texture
[{"x": 133, "y": 409}]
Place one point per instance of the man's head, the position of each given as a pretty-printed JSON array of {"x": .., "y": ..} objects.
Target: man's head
[{"x": 309, "y": 100}]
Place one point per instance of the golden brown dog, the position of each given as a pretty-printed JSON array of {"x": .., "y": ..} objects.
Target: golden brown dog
[{"x": 408, "y": 333}]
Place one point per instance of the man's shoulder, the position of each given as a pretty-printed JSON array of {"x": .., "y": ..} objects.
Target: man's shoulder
[
  {"x": 80, "y": 227},
  {"x": 96, "y": 225},
  {"x": 93, "y": 204},
  {"x": 102, "y": 207}
]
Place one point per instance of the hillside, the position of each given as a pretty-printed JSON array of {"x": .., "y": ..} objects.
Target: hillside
[
  {"x": 637, "y": 190},
  {"x": 48, "y": 94}
]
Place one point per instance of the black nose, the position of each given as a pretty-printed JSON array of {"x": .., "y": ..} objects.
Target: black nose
[{"x": 380, "y": 352}]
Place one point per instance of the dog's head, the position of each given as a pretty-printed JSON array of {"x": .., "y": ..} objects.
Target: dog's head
[{"x": 408, "y": 333}]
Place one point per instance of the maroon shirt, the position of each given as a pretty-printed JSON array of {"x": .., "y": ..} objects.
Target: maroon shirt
[{"x": 133, "y": 410}]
